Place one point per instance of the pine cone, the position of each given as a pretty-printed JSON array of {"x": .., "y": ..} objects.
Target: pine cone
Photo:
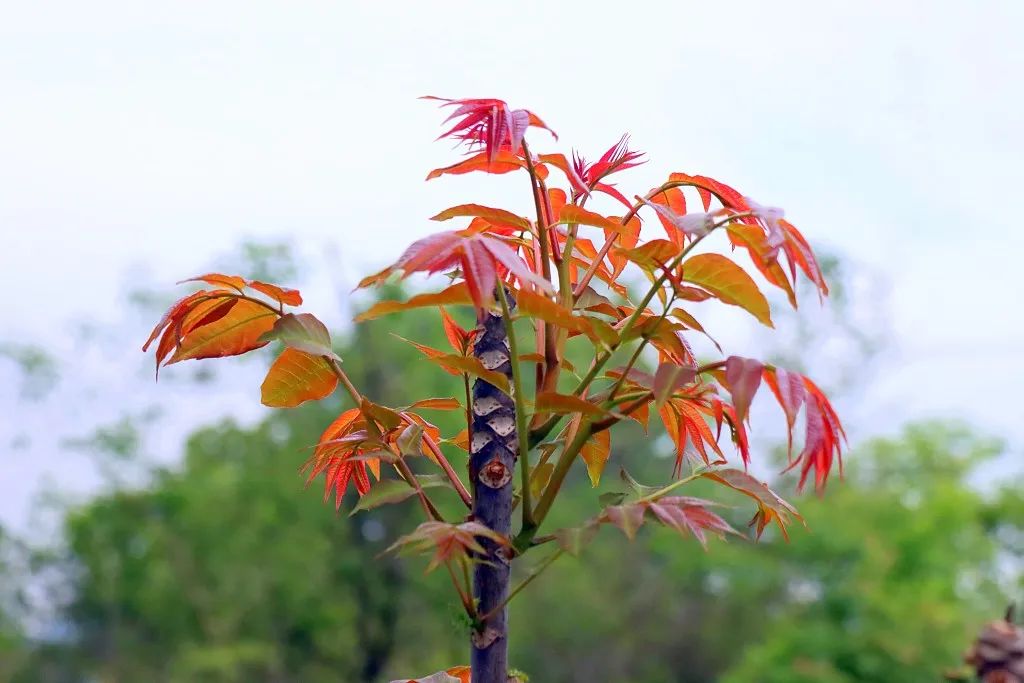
[{"x": 997, "y": 656}]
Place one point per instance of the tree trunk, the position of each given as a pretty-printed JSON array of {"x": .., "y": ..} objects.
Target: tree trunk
[{"x": 493, "y": 447}]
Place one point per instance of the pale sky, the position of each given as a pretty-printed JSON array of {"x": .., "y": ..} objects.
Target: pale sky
[{"x": 158, "y": 136}]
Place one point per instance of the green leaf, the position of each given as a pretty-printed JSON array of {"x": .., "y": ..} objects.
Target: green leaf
[
  {"x": 539, "y": 477},
  {"x": 611, "y": 498},
  {"x": 639, "y": 489},
  {"x": 389, "y": 491},
  {"x": 302, "y": 331},
  {"x": 410, "y": 441},
  {"x": 575, "y": 539}
]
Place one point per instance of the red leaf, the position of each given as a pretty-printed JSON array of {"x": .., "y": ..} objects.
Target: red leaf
[
  {"x": 629, "y": 518},
  {"x": 488, "y": 124},
  {"x": 675, "y": 200},
  {"x": 561, "y": 163},
  {"x": 690, "y": 515},
  {"x": 479, "y": 256},
  {"x": 448, "y": 541},
  {"x": 617, "y": 158},
  {"x": 823, "y": 440},
  {"x": 771, "y": 508},
  {"x": 789, "y": 391},
  {"x": 335, "y": 462},
  {"x": 668, "y": 378},
  {"x": 707, "y": 187},
  {"x": 457, "y": 336},
  {"x": 743, "y": 375}
]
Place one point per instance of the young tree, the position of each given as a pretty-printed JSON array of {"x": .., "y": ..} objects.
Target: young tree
[{"x": 530, "y": 414}]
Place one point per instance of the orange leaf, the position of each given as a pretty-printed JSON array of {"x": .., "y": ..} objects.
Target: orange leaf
[
  {"x": 436, "y": 404},
  {"x": 289, "y": 297},
  {"x": 504, "y": 162},
  {"x": 752, "y": 237},
  {"x": 566, "y": 404},
  {"x": 236, "y": 333},
  {"x": 473, "y": 366},
  {"x": 457, "y": 336},
  {"x": 495, "y": 216},
  {"x": 219, "y": 280},
  {"x": 576, "y": 214},
  {"x": 561, "y": 163},
  {"x": 456, "y": 294},
  {"x": 535, "y": 305},
  {"x": 595, "y": 454},
  {"x": 729, "y": 283},
  {"x": 653, "y": 254},
  {"x": 460, "y": 440},
  {"x": 297, "y": 377}
]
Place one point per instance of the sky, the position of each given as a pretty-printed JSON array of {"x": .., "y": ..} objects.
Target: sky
[{"x": 138, "y": 141}]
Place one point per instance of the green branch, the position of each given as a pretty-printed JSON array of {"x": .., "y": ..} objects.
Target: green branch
[{"x": 522, "y": 432}]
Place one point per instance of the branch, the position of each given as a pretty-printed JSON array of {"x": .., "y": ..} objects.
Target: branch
[
  {"x": 460, "y": 488},
  {"x": 539, "y": 433},
  {"x": 562, "y": 467},
  {"x": 400, "y": 464},
  {"x": 522, "y": 431},
  {"x": 550, "y": 346},
  {"x": 523, "y": 584}
]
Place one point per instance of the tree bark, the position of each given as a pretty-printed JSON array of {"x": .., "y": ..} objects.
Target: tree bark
[{"x": 493, "y": 448}]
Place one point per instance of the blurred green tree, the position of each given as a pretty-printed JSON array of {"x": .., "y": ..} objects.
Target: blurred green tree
[{"x": 220, "y": 571}]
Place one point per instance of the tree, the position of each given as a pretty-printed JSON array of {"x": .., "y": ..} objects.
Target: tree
[{"x": 567, "y": 292}]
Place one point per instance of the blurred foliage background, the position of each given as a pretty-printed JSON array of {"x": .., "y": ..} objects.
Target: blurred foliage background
[{"x": 221, "y": 569}]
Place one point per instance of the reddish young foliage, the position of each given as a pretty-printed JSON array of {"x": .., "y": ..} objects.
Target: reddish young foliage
[
  {"x": 488, "y": 123},
  {"x": 575, "y": 275},
  {"x": 481, "y": 258}
]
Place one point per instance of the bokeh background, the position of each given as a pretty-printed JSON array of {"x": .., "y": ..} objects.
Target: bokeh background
[{"x": 161, "y": 532}]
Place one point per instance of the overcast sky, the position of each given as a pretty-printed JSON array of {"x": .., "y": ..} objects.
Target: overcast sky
[{"x": 155, "y": 135}]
